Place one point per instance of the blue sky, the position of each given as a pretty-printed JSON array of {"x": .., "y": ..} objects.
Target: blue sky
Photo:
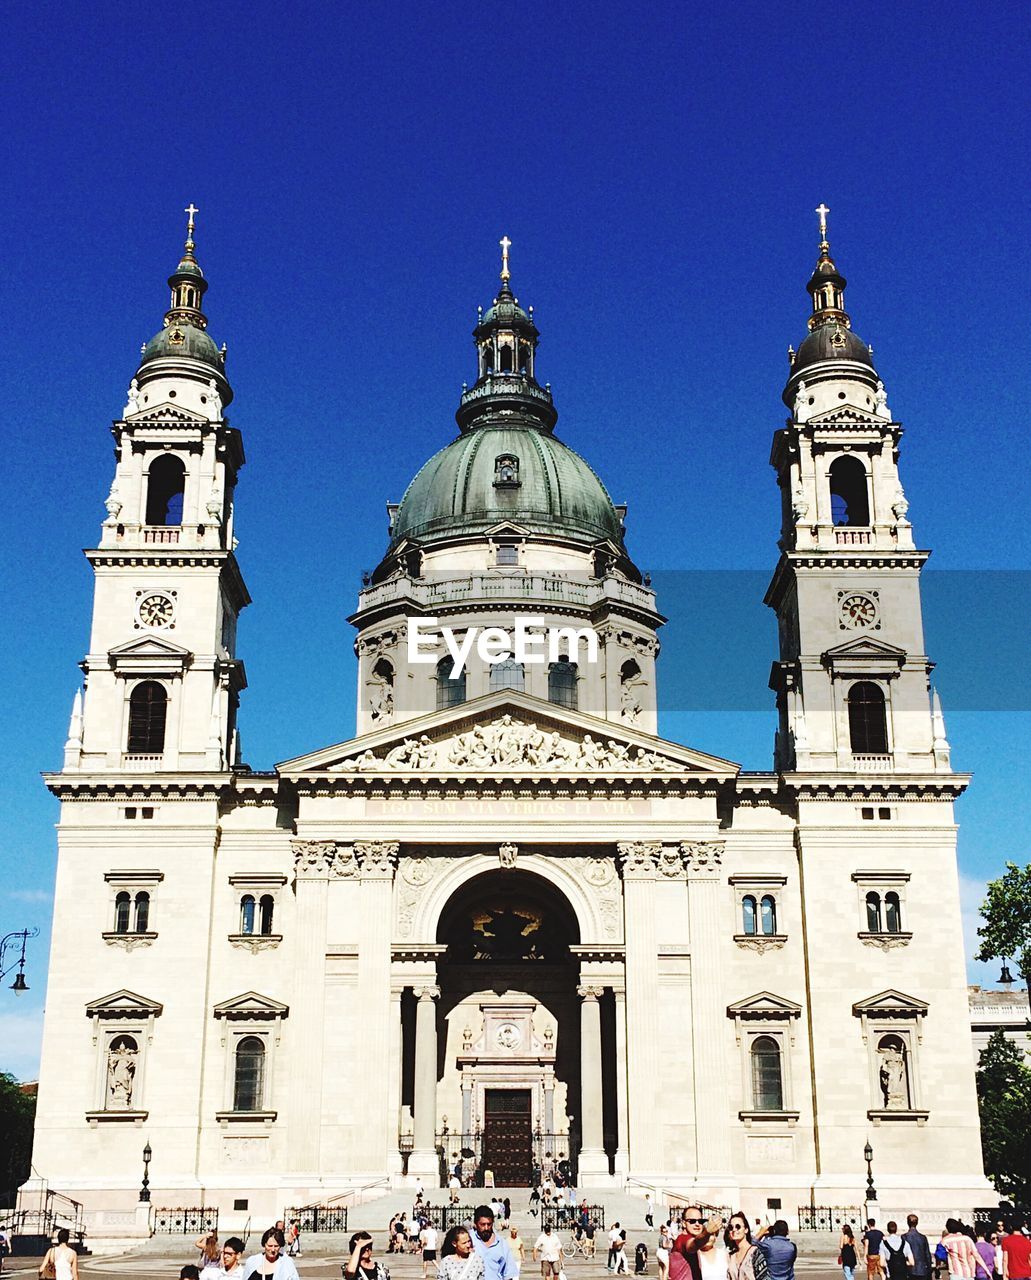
[{"x": 656, "y": 171}]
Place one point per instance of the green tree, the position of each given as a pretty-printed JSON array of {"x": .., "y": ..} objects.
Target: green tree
[
  {"x": 1007, "y": 919},
  {"x": 17, "y": 1114},
  {"x": 1004, "y": 1104}
]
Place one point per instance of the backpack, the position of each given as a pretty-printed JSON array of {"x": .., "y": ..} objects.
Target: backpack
[{"x": 940, "y": 1252}]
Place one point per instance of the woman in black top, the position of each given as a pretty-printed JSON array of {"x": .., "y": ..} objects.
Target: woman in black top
[{"x": 847, "y": 1252}]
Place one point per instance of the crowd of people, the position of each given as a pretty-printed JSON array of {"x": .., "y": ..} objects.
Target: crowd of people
[{"x": 692, "y": 1244}]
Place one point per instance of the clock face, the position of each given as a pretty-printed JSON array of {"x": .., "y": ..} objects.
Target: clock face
[
  {"x": 857, "y": 610},
  {"x": 156, "y": 610}
]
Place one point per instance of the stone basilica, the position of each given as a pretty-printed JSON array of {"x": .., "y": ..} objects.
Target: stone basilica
[{"x": 507, "y": 924}]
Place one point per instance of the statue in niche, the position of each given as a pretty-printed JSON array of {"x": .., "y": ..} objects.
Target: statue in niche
[
  {"x": 629, "y": 702},
  {"x": 892, "y": 1076},
  {"x": 381, "y": 697},
  {"x": 121, "y": 1074}
]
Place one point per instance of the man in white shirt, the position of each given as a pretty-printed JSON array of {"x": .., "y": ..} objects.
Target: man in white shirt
[
  {"x": 454, "y": 1185},
  {"x": 428, "y": 1240},
  {"x": 615, "y": 1244},
  {"x": 548, "y": 1249},
  {"x": 896, "y": 1254},
  {"x": 231, "y": 1264},
  {"x": 649, "y": 1212}
]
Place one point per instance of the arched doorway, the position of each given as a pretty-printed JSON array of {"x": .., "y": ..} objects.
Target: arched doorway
[{"x": 508, "y": 1026}]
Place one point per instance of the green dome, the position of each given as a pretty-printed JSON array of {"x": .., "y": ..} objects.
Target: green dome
[
  {"x": 555, "y": 492},
  {"x": 196, "y": 345}
]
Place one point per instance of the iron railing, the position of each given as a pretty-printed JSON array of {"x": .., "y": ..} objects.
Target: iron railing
[
  {"x": 180, "y": 1221},
  {"x": 568, "y": 1215},
  {"x": 314, "y": 1218},
  {"x": 822, "y": 1217}
]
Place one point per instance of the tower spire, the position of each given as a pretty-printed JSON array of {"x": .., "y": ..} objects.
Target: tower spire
[
  {"x": 187, "y": 282},
  {"x": 826, "y": 285},
  {"x": 190, "y": 210},
  {"x": 506, "y": 274},
  {"x": 825, "y": 249}
]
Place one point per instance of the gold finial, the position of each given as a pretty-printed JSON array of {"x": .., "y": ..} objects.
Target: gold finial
[
  {"x": 823, "y": 212},
  {"x": 506, "y": 244},
  {"x": 190, "y": 210}
]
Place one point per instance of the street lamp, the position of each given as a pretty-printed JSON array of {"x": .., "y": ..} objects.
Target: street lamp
[
  {"x": 19, "y": 985},
  {"x": 1006, "y": 978},
  {"x": 871, "y": 1190},
  {"x": 145, "y": 1187}
]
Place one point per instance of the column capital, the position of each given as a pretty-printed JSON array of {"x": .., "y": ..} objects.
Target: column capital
[
  {"x": 639, "y": 858},
  {"x": 703, "y": 858},
  {"x": 427, "y": 993},
  {"x": 377, "y": 859},
  {"x": 590, "y": 993},
  {"x": 323, "y": 860}
]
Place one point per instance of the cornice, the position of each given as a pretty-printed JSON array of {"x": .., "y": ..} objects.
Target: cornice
[
  {"x": 176, "y": 557},
  {"x": 118, "y": 786},
  {"x": 511, "y": 785},
  {"x": 898, "y": 786}
]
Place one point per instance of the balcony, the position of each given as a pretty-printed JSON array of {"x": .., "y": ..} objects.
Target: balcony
[
  {"x": 135, "y": 762},
  {"x": 165, "y": 535},
  {"x": 853, "y": 537},
  {"x": 872, "y": 764},
  {"x": 539, "y": 589}
]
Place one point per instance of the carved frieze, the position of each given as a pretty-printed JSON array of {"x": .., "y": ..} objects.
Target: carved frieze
[
  {"x": 323, "y": 860},
  {"x": 507, "y": 743},
  {"x": 414, "y": 874},
  {"x": 670, "y": 862},
  {"x": 507, "y": 855}
]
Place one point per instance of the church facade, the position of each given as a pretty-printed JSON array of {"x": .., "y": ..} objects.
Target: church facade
[{"x": 507, "y": 926}]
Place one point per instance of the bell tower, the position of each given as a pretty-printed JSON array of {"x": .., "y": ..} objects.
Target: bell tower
[
  {"x": 162, "y": 680},
  {"x": 852, "y": 682}
]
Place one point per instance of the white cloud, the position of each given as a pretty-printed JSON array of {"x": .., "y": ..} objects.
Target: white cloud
[{"x": 21, "y": 1031}]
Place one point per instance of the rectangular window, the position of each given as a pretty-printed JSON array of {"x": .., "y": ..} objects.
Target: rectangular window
[{"x": 507, "y": 554}]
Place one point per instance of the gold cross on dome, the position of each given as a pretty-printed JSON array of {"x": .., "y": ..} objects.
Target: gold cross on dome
[
  {"x": 823, "y": 212},
  {"x": 190, "y": 210},
  {"x": 506, "y": 244}
]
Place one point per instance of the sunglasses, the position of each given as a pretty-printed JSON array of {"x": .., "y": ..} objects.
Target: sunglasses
[{"x": 694, "y": 1222}]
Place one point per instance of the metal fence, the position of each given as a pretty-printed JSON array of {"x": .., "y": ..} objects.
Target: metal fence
[
  {"x": 822, "y": 1217},
  {"x": 568, "y": 1215},
  {"x": 319, "y": 1217},
  {"x": 185, "y": 1222}
]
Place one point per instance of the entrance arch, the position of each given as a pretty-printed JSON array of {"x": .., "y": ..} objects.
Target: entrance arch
[{"x": 496, "y": 1048}]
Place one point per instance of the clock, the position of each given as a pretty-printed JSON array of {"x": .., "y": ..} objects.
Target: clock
[
  {"x": 156, "y": 610},
  {"x": 856, "y": 610}
]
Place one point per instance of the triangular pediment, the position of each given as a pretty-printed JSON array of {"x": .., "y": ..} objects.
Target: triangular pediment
[
  {"x": 162, "y": 413},
  {"x": 149, "y": 647},
  {"x": 124, "y": 1004},
  {"x": 251, "y": 1005},
  {"x": 509, "y": 732},
  {"x": 507, "y": 528},
  {"x": 764, "y": 1004},
  {"x": 865, "y": 646},
  {"x": 890, "y": 1004},
  {"x": 849, "y": 415},
  {"x": 865, "y": 655}
]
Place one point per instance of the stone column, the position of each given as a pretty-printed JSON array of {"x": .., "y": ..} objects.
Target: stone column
[
  {"x": 593, "y": 1161},
  {"x": 467, "y": 1103},
  {"x": 423, "y": 1159},
  {"x": 639, "y": 861},
  {"x": 549, "y": 1103},
  {"x": 622, "y": 1154},
  {"x": 314, "y": 862},
  {"x": 394, "y": 1072},
  {"x": 375, "y": 862},
  {"x": 708, "y": 1009}
]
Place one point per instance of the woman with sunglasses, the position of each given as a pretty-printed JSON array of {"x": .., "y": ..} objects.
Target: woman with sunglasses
[
  {"x": 361, "y": 1265},
  {"x": 745, "y": 1261}
]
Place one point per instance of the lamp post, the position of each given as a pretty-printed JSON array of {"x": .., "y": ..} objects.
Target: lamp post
[
  {"x": 19, "y": 985},
  {"x": 145, "y": 1186},
  {"x": 1006, "y": 978},
  {"x": 871, "y": 1190}
]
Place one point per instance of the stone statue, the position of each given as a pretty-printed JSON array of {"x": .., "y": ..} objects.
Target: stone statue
[
  {"x": 629, "y": 703},
  {"x": 132, "y": 399},
  {"x": 881, "y": 401},
  {"x": 121, "y": 1073},
  {"x": 799, "y": 505},
  {"x": 801, "y": 402},
  {"x": 215, "y": 400},
  {"x": 900, "y": 506},
  {"x": 381, "y": 697},
  {"x": 892, "y": 1076},
  {"x": 507, "y": 855}
]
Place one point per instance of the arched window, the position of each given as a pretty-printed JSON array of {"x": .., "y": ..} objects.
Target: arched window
[
  {"x": 166, "y": 485},
  {"x": 123, "y": 904},
  {"x": 507, "y": 675},
  {"x": 892, "y": 913},
  {"x": 505, "y": 355},
  {"x": 767, "y": 1082},
  {"x": 873, "y": 912},
  {"x": 867, "y": 719},
  {"x": 488, "y": 357},
  {"x": 141, "y": 920},
  {"x": 450, "y": 688},
  {"x": 249, "y": 1075},
  {"x": 266, "y": 907},
  {"x": 749, "y": 919},
  {"x": 247, "y": 913},
  {"x": 562, "y": 683},
  {"x": 850, "y": 502},
  {"x": 148, "y": 710},
  {"x": 768, "y": 909}
]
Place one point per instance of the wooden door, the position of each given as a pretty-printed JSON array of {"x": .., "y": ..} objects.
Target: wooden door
[{"x": 508, "y": 1136}]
